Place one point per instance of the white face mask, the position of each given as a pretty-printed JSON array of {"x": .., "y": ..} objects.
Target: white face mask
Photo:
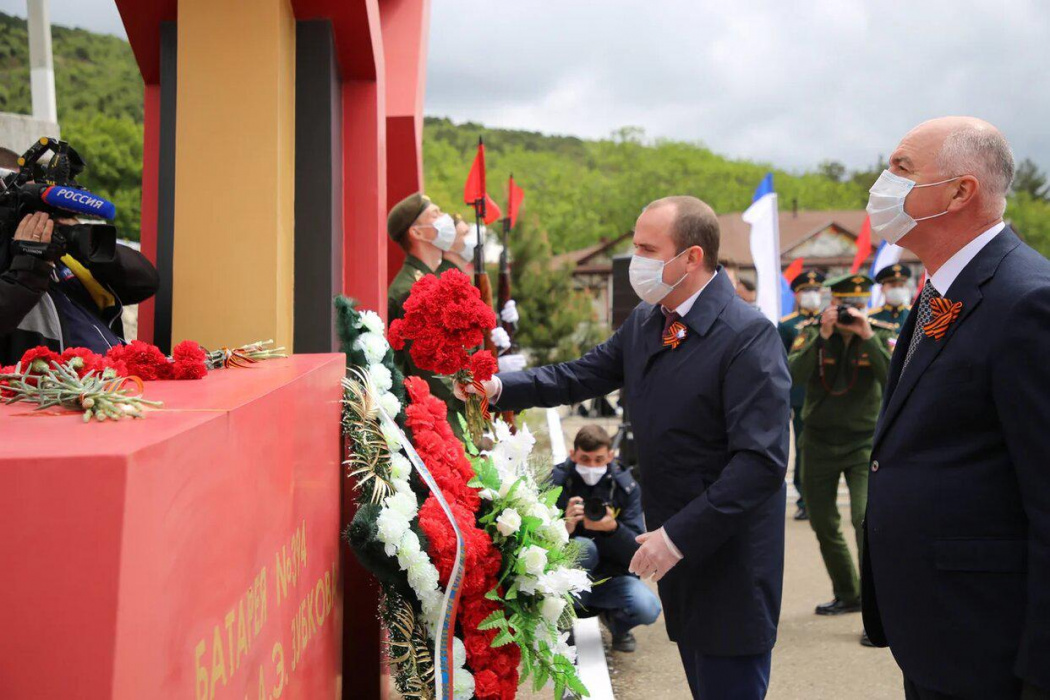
[
  {"x": 647, "y": 278},
  {"x": 886, "y": 205},
  {"x": 469, "y": 244},
  {"x": 897, "y": 296},
  {"x": 809, "y": 300},
  {"x": 591, "y": 475},
  {"x": 446, "y": 233}
]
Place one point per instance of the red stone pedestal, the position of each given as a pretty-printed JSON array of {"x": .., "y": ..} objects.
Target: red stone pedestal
[{"x": 193, "y": 554}]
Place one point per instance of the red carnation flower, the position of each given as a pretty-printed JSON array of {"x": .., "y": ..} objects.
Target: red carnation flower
[
  {"x": 45, "y": 354},
  {"x": 189, "y": 361},
  {"x": 83, "y": 361},
  {"x": 142, "y": 360},
  {"x": 483, "y": 365},
  {"x": 486, "y": 685}
]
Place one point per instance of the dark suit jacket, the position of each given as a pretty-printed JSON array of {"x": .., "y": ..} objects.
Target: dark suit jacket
[
  {"x": 956, "y": 572},
  {"x": 711, "y": 424}
]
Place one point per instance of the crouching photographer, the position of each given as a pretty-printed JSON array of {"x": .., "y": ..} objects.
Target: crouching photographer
[
  {"x": 63, "y": 283},
  {"x": 603, "y": 513}
]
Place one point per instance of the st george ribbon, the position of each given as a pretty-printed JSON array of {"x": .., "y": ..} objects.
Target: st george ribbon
[{"x": 443, "y": 685}]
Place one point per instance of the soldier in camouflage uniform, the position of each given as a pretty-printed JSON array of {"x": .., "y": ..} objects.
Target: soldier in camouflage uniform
[
  {"x": 843, "y": 367},
  {"x": 808, "y": 300},
  {"x": 894, "y": 281}
]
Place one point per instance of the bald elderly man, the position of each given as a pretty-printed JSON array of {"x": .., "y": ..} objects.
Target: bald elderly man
[
  {"x": 956, "y": 567},
  {"x": 706, "y": 379}
]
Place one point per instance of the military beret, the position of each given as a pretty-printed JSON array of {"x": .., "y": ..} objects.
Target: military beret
[
  {"x": 853, "y": 285},
  {"x": 892, "y": 272},
  {"x": 807, "y": 279},
  {"x": 404, "y": 214}
]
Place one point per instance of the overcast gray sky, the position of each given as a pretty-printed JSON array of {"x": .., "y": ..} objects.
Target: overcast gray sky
[{"x": 791, "y": 83}]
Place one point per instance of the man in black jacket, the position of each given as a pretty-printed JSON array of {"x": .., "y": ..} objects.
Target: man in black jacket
[
  {"x": 608, "y": 543},
  {"x": 64, "y": 302}
]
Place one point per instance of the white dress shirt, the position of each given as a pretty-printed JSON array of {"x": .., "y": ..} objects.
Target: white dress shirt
[
  {"x": 944, "y": 277},
  {"x": 686, "y": 305}
]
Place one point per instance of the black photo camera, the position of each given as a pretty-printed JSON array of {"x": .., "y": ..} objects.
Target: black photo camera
[
  {"x": 52, "y": 188},
  {"x": 594, "y": 508},
  {"x": 845, "y": 318}
]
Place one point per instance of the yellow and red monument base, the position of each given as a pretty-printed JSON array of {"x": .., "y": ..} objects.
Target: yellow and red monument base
[{"x": 191, "y": 554}]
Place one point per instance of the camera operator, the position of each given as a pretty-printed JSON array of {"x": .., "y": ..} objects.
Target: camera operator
[
  {"x": 603, "y": 513},
  {"x": 842, "y": 360},
  {"x": 51, "y": 298}
]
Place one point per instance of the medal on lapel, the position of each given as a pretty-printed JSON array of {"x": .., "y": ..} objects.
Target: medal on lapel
[
  {"x": 944, "y": 312},
  {"x": 675, "y": 335}
]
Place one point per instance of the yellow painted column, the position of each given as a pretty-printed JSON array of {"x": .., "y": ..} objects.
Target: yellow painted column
[{"x": 234, "y": 172}]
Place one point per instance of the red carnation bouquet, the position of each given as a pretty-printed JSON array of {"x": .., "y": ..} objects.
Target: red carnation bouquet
[
  {"x": 495, "y": 668},
  {"x": 445, "y": 319}
]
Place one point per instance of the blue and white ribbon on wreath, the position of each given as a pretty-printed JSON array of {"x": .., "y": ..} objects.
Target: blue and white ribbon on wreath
[{"x": 443, "y": 666}]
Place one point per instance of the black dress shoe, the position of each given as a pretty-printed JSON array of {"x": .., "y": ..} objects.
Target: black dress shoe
[
  {"x": 837, "y": 607},
  {"x": 864, "y": 641},
  {"x": 625, "y": 643},
  {"x": 801, "y": 513}
]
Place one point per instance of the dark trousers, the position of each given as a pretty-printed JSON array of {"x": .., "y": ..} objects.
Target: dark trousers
[
  {"x": 913, "y": 691},
  {"x": 726, "y": 677},
  {"x": 796, "y": 423}
]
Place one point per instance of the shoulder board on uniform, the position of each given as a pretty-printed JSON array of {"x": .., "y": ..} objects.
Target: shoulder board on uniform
[
  {"x": 789, "y": 317},
  {"x": 879, "y": 310},
  {"x": 815, "y": 321},
  {"x": 876, "y": 323}
]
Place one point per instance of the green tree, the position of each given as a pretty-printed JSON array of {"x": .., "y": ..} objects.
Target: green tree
[
  {"x": 832, "y": 170},
  {"x": 1030, "y": 180},
  {"x": 557, "y": 321}
]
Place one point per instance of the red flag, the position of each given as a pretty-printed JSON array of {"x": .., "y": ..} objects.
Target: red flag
[
  {"x": 863, "y": 246},
  {"x": 794, "y": 269},
  {"x": 474, "y": 189},
  {"x": 515, "y": 196},
  {"x": 492, "y": 210}
]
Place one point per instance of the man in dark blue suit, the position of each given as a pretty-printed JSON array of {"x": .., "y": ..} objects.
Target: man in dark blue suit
[
  {"x": 706, "y": 379},
  {"x": 956, "y": 570}
]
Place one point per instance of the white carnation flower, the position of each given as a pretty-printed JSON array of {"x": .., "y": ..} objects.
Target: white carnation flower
[
  {"x": 382, "y": 380},
  {"x": 400, "y": 467},
  {"x": 404, "y": 503},
  {"x": 409, "y": 551},
  {"x": 535, "y": 559},
  {"x": 462, "y": 684},
  {"x": 373, "y": 345},
  {"x": 392, "y": 526},
  {"x": 402, "y": 486},
  {"x": 390, "y": 404},
  {"x": 422, "y": 576},
  {"x": 459, "y": 653},
  {"x": 371, "y": 322},
  {"x": 508, "y": 522},
  {"x": 551, "y": 609},
  {"x": 392, "y": 436}
]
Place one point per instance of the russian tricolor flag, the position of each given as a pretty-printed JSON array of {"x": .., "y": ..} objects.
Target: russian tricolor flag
[{"x": 765, "y": 248}]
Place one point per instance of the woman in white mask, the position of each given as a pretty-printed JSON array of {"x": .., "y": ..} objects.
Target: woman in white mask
[{"x": 897, "y": 294}]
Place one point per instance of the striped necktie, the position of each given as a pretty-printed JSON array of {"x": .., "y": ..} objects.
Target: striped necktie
[{"x": 924, "y": 315}]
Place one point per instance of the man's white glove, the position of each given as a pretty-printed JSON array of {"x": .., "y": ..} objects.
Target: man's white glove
[
  {"x": 511, "y": 363},
  {"x": 500, "y": 338},
  {"x": 509, "y": 314}
]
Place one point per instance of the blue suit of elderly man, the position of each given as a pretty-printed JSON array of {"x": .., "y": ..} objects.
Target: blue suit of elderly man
[
  {"x": 706, "y": 379},
  {"x": 956, "y": 567}
]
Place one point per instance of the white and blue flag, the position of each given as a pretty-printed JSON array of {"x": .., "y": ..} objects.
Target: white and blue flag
[
  {"x": 765, "y": 247},
  {"x": 887, "y": 254}
]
